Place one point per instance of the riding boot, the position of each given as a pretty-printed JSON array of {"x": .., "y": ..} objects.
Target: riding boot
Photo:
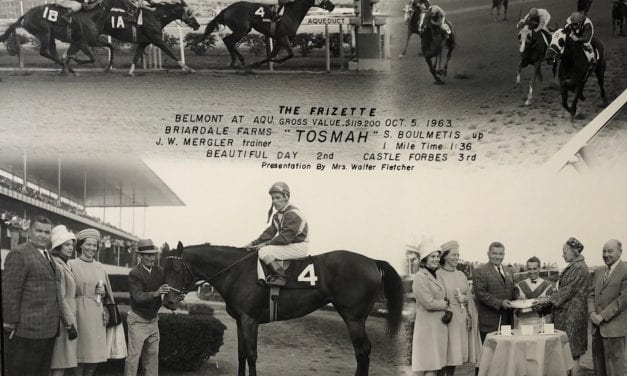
[{"x": 278, "y": 278}]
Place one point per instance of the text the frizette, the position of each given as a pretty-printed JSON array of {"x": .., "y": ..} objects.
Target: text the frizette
[{"x": 329, "y": 111}]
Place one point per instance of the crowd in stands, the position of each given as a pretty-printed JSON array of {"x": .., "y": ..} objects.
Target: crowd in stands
[
  {"x": 48, "y": 199},
  {"x": 112, "y": 251}
]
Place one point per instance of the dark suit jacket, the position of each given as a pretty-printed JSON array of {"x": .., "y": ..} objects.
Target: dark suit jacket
[
  {"x": 610, "y": 300},
  {"x": 30, "y": 294},
  {"x": 490, "y": 291}
]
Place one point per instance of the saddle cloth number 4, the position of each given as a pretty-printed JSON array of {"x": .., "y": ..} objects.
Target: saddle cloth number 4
[
  {"x": 50, "y": 14},
  {"x": 260, "y": 12},
  {"x": 308, "y": 275}
]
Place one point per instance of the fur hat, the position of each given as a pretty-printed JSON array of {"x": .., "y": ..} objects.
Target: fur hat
[{"x": 60, "y": 235}]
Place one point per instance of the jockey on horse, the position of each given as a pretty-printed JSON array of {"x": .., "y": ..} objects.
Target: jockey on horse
[
  {"x": 438, "y": 18},
  {"x": 579, "y": 29},
  {"x": 537, "y": 20},
  {"x": 286, "y": 238}
]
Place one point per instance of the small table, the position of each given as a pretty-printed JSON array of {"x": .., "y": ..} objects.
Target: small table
[{"x": 518, "y": 355}]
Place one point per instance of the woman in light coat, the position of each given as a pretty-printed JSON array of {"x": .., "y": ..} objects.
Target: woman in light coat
[
  {"x": 430, "y": 333},
  {"x": 64, "y": 353}
]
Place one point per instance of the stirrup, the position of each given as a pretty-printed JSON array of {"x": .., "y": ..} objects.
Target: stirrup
[{"x": 276, "y": 280}]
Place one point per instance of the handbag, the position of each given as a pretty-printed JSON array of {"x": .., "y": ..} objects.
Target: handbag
[
  {"x": 447, "y": 316},
  {"x": 114, "y": 314},
  {"x": 116, "y": 342}
]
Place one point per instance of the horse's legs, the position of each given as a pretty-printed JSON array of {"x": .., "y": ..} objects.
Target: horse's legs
[
  {"x": 69, "y": 55},
  {"x": 361, "y": 344},
  {"x": 438, "y": 81},
  {"x": 139, "y": 50},
  {"x": 573, "y": 106},
  {"x": 241, "y": 350},
  {"x": 158, "y": 42},
  {"x": 449, "y": 53},
  {"x": 249, "y": 330},
  {"x": 87, "y": 51},
  {"x": 600, "y": 73},
  {"x": 520, "y": 67},
  {"x": 505, "y": 10},
  {"x": 46, "y": 44},
  {"x": 285, "y": 43},
  {"x": 409, "y": 33},
  {"x": 101, "y": 43},
  {"x": 230, "y": 42},
  {"x": 537, "y": 73}
]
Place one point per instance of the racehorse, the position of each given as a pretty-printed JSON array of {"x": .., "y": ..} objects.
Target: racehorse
[
  {"x": 151, "y": 30},
  {"x": 619, "y": 16},
  {"x": 242, "y": 16},
  {"x": 350, "y": 281},
  {"x": 432, "y": 43},
  {"x": 533, "y": 45},
  {"x": 46, "y": 23},
  {"x": 496, "y": 4},
  {"x": 574, "y": 67},
  {"x": 412, "y": 17}
]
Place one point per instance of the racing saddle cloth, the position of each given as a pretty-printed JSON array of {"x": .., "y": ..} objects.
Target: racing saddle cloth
[{"x": 301, "y": 273}]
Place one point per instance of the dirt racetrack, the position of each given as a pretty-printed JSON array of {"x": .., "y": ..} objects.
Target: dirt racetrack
[
  {"x": 317, "y": 344},
  {"x": 479, "y": 94}
]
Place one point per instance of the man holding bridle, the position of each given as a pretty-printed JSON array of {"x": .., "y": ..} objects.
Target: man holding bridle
[{"x": 285, "y": 238}]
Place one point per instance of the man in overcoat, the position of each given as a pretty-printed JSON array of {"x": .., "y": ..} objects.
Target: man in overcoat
[
  {"x": 608, "y": 312},
  {"x": 30, "y": 303}
]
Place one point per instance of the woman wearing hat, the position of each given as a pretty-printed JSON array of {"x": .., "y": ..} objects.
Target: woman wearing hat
[
  {"x": 464, "y": 343},
  {"x": 64, "y": 353},
  {"x": 91, "y": 281},
  {"x": 286, "y": 238},
  {"x": 570, "y": 301},
  {"x": 430, "y": 333}
]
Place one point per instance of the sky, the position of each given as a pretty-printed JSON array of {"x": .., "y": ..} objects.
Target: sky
[{"x": 378, "y": 215}]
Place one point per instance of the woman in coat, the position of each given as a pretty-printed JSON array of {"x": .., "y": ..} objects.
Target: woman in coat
[
  {"x": 91, "y": 281},
  {"x": 430, "y": 333},
  {"x": 64, "y": 353},
  {"x": 463, "y": 330},
  {"x": 570, "y": 301}
]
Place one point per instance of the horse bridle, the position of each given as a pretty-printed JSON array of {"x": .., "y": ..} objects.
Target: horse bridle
[{"x": 189, "y": 272}]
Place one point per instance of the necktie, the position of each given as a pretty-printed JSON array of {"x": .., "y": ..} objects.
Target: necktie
[
  {"x": 501, "y": 273},
  {"x": 607, "y": 274},
  {"x": 49, "y": 259}
]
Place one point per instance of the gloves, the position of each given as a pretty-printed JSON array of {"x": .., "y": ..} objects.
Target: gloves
[
  {"x": 544, "y": 309},
  {"x": 72, "y": 333}
]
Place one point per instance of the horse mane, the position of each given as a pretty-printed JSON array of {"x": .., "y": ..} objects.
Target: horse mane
[{"x": 210, "y": 247}]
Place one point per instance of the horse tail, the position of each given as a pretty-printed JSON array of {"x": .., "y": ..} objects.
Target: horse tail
[
  {"x": 394, "y": 294},
  {"x": 8, "y": 32},
  {"x": 213, "y": 24}
]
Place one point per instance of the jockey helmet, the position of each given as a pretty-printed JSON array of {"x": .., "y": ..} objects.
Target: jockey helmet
[
  {"x": 576, "y": 18},
  {"x": 280, "y": 187},
  {"x": 533, "y": 12}
]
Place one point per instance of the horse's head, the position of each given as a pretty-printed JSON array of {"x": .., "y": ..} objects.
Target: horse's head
[
  {"x": 525, "y": 36},
  {"x": 325, "y": 4},
  {"x": 186, "y": 14},
  {"x": 556, "y": 47},
  {"x": 423, "y": 20},
  {"x": 177, "y": 275}
]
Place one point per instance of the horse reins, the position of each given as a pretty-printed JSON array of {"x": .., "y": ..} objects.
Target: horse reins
[{"x": 214, "y": 276}]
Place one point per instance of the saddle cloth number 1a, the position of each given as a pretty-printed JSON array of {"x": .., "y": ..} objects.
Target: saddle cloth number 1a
[
  {"x": 308, "y": 275},
  {"x": 50, "y": 14}
]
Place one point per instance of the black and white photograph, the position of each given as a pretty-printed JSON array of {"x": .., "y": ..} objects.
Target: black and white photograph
[{"x": 313, "y": 187}]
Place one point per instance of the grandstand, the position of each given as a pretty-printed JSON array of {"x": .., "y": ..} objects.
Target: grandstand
[{"x": 63, "y": 187}]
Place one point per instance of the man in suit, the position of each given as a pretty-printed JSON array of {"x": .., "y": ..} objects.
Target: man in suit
[
  {"x": 146, "y": 284},
  {"x": 607, "y": 306},
  {"x": 30, "y": 303},
  {"x": 494, "y": 287}
]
